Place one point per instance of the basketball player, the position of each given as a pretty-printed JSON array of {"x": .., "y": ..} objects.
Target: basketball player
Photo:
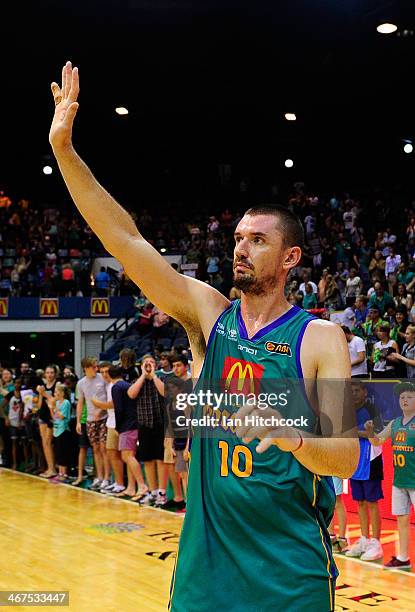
[{"x": 254, "y": 537}]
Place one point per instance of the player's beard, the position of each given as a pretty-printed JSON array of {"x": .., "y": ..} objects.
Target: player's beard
[{"x": 249, "y": 284}]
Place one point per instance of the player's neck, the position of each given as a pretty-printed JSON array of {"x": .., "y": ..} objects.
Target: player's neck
[{"x": 259, "y": 311}]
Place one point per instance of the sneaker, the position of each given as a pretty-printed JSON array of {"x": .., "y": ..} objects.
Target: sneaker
[
  {"x": 107, "y": 489},
  {"x": 373, "y": 552},
  {"x": 148, "y": 499},
  {"x": 104, "y": 485},
  {"x": 96, "y": 484},
  {"x": 358, "y": 548},
  {"x": 160, "y": 499},
  {"x": 115, "y": 489},
  {"x": 395, "y": 563}
]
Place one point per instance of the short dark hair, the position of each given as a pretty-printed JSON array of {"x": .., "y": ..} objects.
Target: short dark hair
[
  {"x": 184, "y": 360},
  {"x": 402, "y": 387},
  {"x": 346, "y": 329},
  {"x": 291, "y": 227},
  {"x": 105, "y": 364},
  {"x": 114, "y": 372}
]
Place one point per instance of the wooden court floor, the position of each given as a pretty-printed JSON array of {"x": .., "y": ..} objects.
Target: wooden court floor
[{"x": 112, "y": 555}]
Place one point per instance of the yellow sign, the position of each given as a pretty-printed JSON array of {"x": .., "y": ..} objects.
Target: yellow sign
[
  {"x": 400, "y": 436},
  {"x": 100, "y": 307},
  {"x": 243, "y": 372},
  {"x": 4, "y": 307},
  {"x": 49, "y": 307}
]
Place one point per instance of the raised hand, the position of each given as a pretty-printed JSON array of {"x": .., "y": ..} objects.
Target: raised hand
[{"x": 66, "y": 106}]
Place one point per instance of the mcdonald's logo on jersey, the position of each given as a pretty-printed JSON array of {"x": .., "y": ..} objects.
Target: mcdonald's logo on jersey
[
  {"x": 100, "y": 307},
  {"x": 49, "y": 307},
  {"x": 240, "y": 376},
  {"x": 400, "y": 436},
  {"x": 4, "y": 307}
]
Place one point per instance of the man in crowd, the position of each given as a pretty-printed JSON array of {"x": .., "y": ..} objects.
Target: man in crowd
[
  {"x": 91, "y": 386},
  {"x": 357, "y": 351},
  {"x": 148, "y": 389}
]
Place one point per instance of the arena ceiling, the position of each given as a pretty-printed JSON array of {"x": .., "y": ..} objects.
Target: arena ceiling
[{"x": 210, "y": 80}]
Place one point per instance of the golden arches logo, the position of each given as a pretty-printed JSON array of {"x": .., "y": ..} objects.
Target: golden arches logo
[
  {"x": 242, "y": 374},
  {"x": 49, "y": 308},
  {"x": 4, "y": 307},
  {"x": 400, "y": 436},
  {"x": 99, "y": 307}
]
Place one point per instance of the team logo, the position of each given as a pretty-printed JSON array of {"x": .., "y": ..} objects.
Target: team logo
[
  {"x": 281, "y": 348},
  {"x": 400, "y": 436},
  {"x": 412, "y": 426},
  {"x": 241, "y": 376},
  {"x": 4, "y": 307},
  {"x": 232, "y": 335},
  {"x": 100, "y": 307},
  {"x": 49, "y": 307}
]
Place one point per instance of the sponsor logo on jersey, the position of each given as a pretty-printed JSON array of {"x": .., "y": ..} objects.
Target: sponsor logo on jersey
[
  {"x": 281, "y": 348},
  {"x": 49, "y": 307},
  {"x": 400, "y": 436},
  {"x": 232, "y": 335},
  {"x": 100, "y": 307},
  {"x": 4, "y": 307},
  {"x": 247, "y": 349},
  {"x": 241, "y": 376}
]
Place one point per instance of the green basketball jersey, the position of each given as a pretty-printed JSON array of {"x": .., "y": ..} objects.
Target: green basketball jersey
[
  {"x": 255, "y": 533},
  {"x": 403, "y": 446}
]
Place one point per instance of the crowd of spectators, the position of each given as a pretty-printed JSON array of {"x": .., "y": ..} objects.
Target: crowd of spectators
[{"x": 123, "y": 412}]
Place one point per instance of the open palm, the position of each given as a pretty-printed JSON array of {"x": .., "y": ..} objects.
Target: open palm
[{"x": 66, "y": 105}]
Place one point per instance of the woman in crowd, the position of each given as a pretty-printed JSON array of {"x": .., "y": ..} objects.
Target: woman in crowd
[
  {"x": 45, "y": 420},
  {"x": 403, "y": 298},
  {"x": 383, "y": 363},
  {"x": 60, "y": 410},
  {"x": 407, "y": 355}
]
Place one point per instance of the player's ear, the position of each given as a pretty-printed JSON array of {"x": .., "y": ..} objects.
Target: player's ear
[{"x": 292, "y": 257}]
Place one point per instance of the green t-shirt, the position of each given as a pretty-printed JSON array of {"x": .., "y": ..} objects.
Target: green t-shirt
[
  {"x": 61, "y": 425},
  {"x": 403, "y": 447}
]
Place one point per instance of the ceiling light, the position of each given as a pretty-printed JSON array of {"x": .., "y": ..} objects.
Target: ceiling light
[
  {"x": 12, "y": 348},
  {"x": 288, "y": 163},
  {"x": 408, "y": 148},
  {"x": 290, "y": 116},
  {"x": 32, "y": 356},
  {"x": 386, "y": 28},
  {"x": 47, "y": 170},
  {"x": 121, "y": 110}
]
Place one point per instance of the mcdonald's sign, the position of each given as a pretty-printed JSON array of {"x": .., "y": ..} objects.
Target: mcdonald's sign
[
  {"x": 4, "y": 307},
  {"x": 100, "y": 307},
  {"x": 49, "y": 307},
  {"x": 400, "y": 436},
  {"x": 241, "y": 376}
]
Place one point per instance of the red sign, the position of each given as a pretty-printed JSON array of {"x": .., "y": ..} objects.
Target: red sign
[{"x": 241, "y": 376}]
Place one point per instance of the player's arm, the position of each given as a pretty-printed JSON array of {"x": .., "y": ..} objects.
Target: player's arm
[
  {"x": 381, "y": 437},
  {"x": 325, "y": 349},
  {"x": 193, "y": 303}
]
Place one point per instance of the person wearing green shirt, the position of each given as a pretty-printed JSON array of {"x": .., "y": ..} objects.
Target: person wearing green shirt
[
  {"x": 381, "y": 298},
  {"x": 402, "y": 433},
  {"x": 60, "y": 409},
  {"x": 83, "y": 443},
  {"x": 309, "y": 299}
]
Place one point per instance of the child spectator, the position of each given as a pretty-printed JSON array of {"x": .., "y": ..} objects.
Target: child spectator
[
  {"x": 60, "y": 409},
  {"x": 366, "y": 482},
  {"x": 402, "y": 433},
  {"x": 17, "y": 430}
]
